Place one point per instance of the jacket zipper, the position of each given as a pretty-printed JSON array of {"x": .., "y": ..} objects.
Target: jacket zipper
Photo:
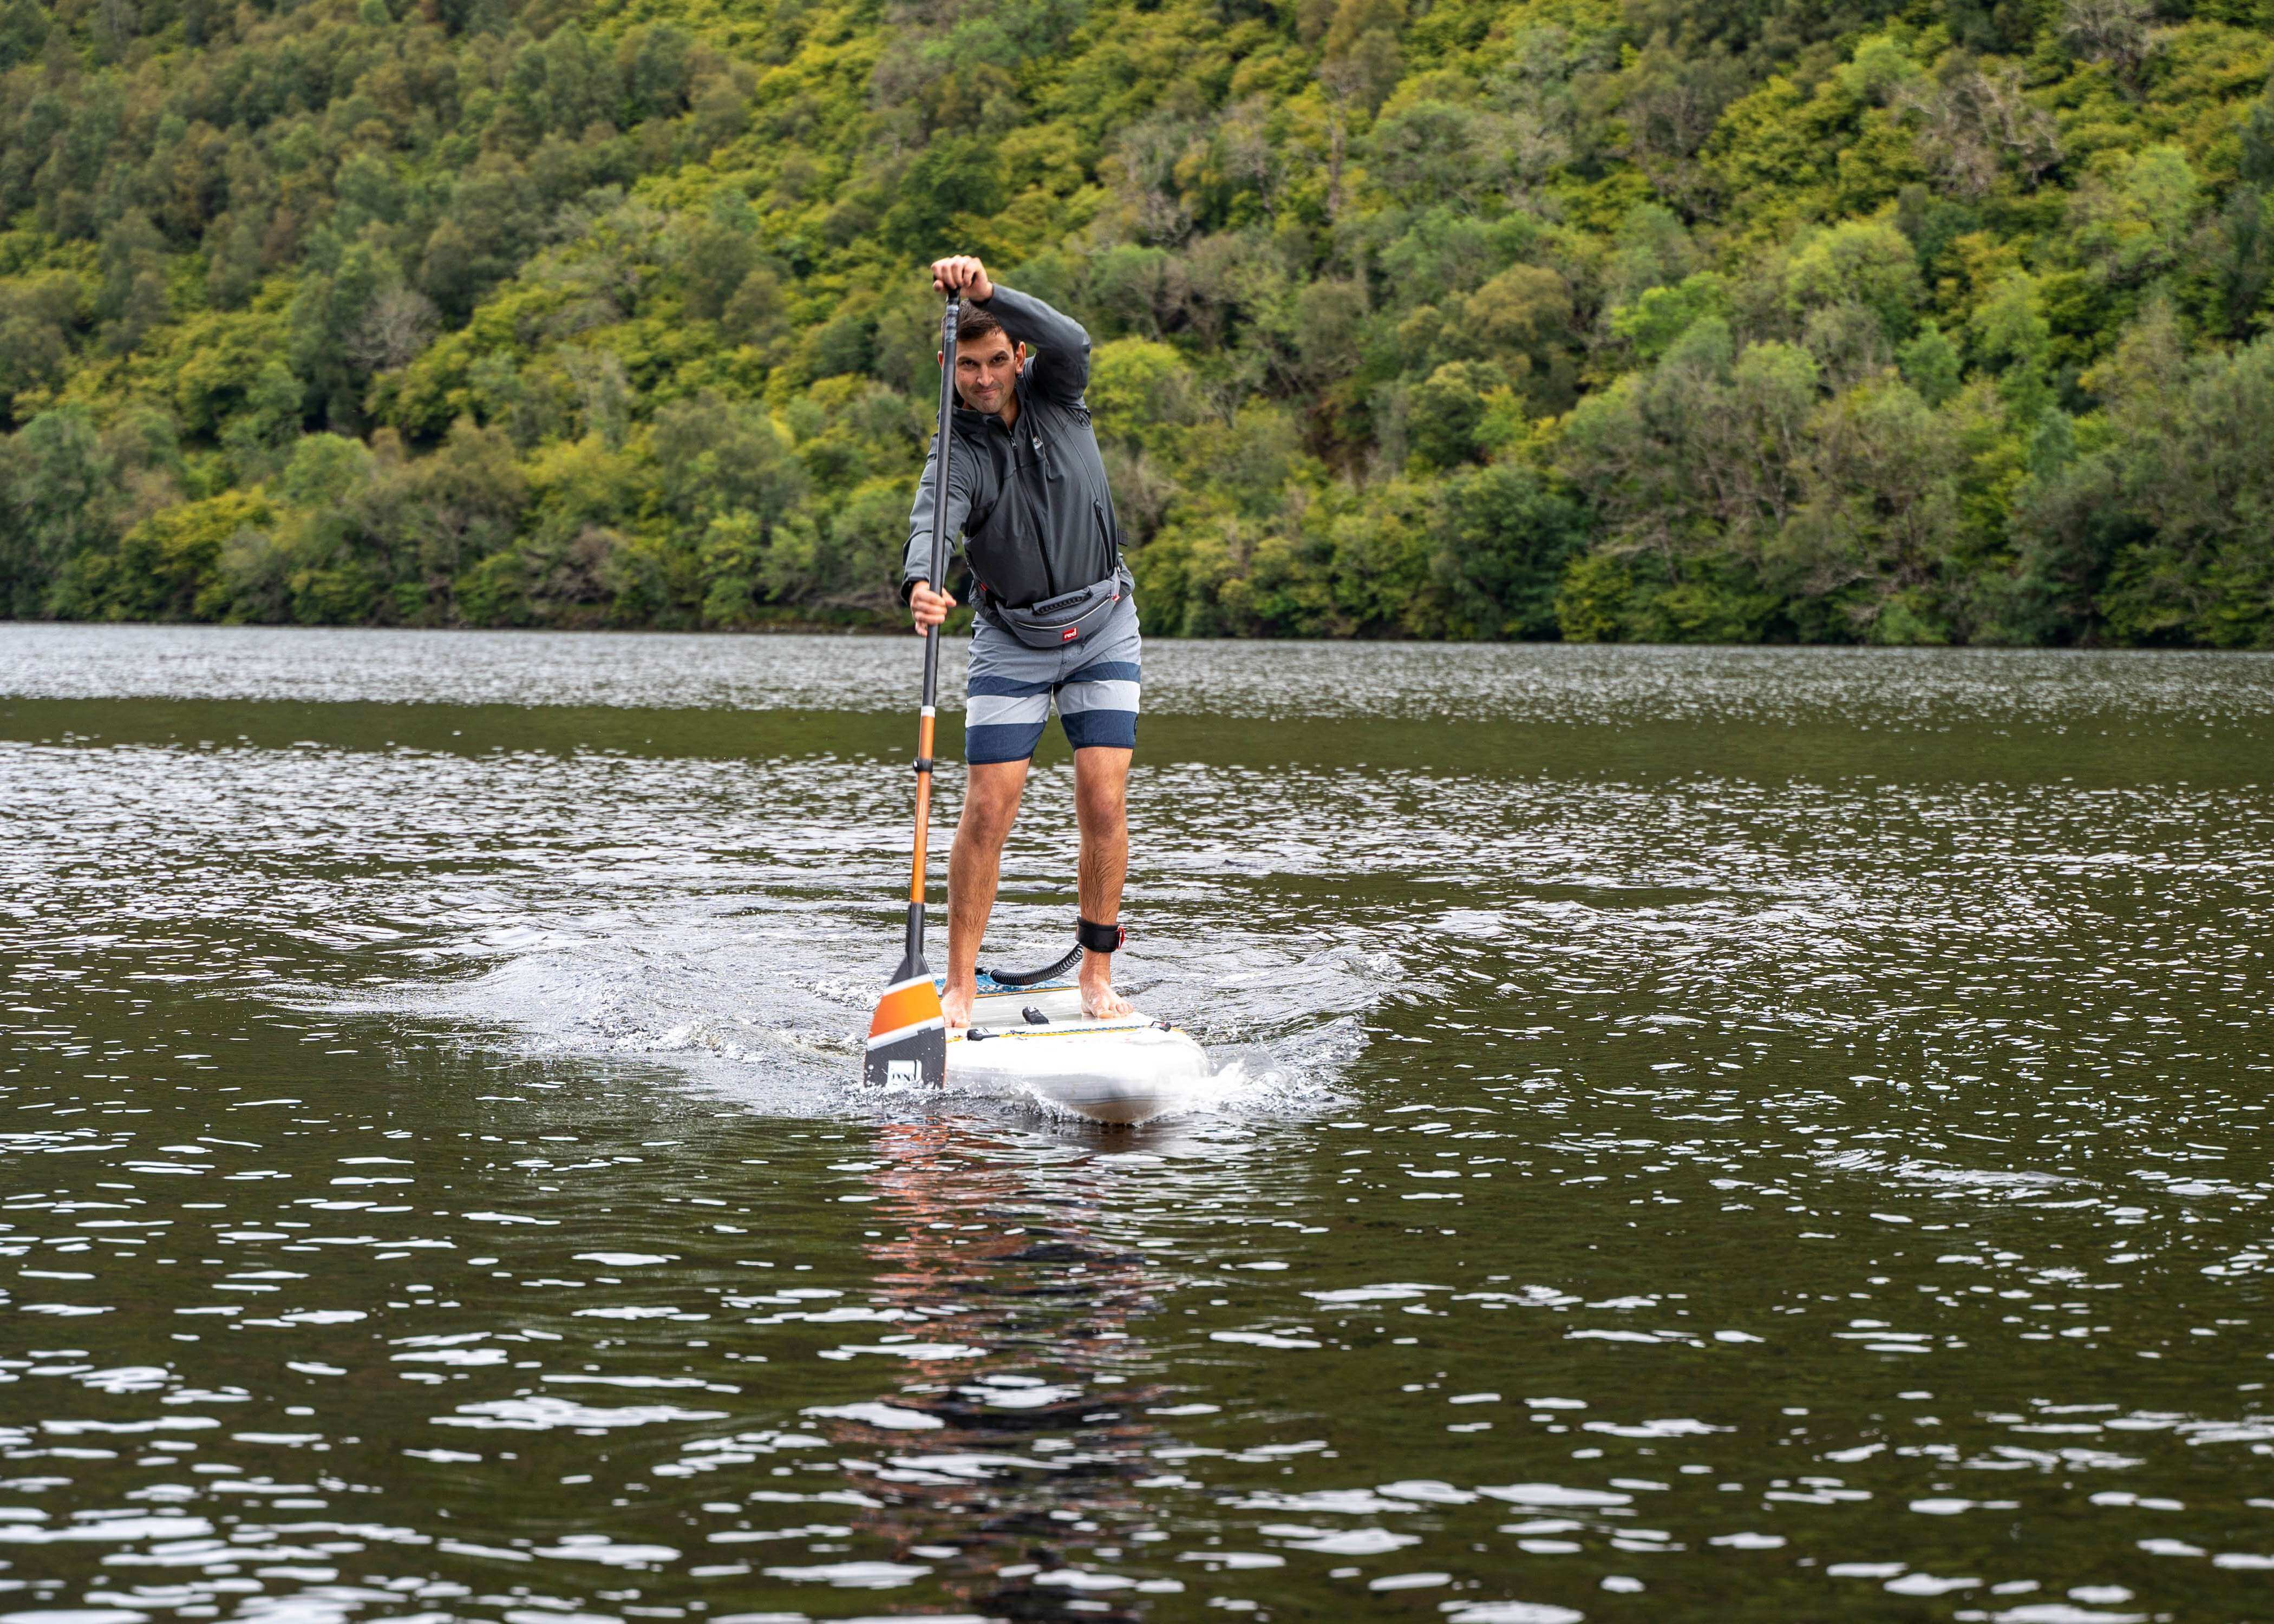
[{"x": 1041, "y": 501}]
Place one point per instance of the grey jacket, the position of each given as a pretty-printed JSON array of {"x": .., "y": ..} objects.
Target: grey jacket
[{"x": 1030, "y": 501}]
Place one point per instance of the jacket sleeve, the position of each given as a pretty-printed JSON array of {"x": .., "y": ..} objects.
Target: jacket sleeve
[
  {"x": 1062, "y": 344},
  {"x": 915, "y": 558}
]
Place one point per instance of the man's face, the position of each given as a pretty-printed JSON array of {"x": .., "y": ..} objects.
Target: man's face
[{"x": 986, "y": 369}]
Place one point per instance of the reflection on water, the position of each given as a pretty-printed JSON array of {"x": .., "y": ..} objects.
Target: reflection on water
[
  {"x": 1010, "y": 1453},
  {"x": 1661, "y": 1170}
]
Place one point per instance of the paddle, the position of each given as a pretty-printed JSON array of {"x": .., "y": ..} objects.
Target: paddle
[{"x": 907, "y": 1038}]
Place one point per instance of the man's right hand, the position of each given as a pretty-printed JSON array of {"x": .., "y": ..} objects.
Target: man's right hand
[
  {"x": 928, "y": 607},
  {"x": 962, "y": 273}
]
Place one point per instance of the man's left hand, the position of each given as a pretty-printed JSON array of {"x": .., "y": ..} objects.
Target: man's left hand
[{"x": 962, "y": 273}]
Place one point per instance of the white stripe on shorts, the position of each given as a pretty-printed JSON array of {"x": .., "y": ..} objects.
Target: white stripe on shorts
[
  {"x": 1006, "y": 709},
  {"x": 1095, "y": 696}
]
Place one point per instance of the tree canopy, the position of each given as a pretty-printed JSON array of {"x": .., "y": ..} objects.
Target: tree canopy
[{"x": 1824, "y": 321}]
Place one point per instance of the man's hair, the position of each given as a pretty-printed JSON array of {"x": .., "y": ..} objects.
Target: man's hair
[{"x": 973, "y": 324}]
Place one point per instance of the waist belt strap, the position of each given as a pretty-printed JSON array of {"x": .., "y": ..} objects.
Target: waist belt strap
[
  {"x": 1099, "y": 938},
  {"x": 1068, "y": 617}
]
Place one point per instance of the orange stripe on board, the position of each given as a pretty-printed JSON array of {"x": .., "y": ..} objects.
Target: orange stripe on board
[{"x": 910, "y": 1003}]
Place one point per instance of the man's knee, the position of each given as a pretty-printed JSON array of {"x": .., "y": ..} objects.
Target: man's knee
[
  {"x": 991, "y": 806},
  {"x": 1103, "y": 808},
  {"x": 1101, "y": 791},
  {"x": 987, "y": 822}
]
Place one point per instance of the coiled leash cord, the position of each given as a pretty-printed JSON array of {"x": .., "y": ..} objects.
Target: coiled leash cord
[{"x": 1089, "y": 936}]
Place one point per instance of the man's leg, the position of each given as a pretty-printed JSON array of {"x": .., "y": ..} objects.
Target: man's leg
[
  {"x": 1007, "y": 701},
  {"x": 1097, "y": 706},
  {"x": 975, "y": 866},
  {"x": 1101, "y": 800}
]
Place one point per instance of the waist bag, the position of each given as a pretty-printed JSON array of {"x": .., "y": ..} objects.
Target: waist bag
[{"x": 1068, "y": 617}]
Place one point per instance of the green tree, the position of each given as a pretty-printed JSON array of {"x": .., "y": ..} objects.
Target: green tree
[
  {"x": 57, "y": 483},
  {"x": 1501, "y": 540}
]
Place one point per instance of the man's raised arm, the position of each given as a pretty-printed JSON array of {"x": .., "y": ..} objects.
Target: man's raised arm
[{"x": 1061, "y": 343}]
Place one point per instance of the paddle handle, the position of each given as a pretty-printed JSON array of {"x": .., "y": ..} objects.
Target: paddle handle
[{"x": 929, "y": 714}]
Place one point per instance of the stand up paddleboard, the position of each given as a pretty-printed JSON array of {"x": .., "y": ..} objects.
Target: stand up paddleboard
[{"x": 1125, "y": 1069}]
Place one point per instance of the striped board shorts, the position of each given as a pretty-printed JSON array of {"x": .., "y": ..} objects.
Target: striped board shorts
[{"x": 1094, "y": 682}]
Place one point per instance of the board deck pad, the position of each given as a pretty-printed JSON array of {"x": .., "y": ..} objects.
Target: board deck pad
[{"x": 1124, "y": 1069}]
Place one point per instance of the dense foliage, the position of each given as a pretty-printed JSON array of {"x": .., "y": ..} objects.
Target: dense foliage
[{"x": 1731, "y": 320}]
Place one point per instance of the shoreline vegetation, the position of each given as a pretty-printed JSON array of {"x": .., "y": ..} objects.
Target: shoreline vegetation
[{"x": 1651, "y": 320}]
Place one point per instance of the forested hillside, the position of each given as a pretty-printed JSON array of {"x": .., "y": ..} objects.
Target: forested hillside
[{"x": 1724, "y": 319}]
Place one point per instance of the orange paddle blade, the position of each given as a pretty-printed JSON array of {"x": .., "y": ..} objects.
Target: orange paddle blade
[
  {"x": 906, "y": 1007},
  {"x": 908, "y": 1039}
]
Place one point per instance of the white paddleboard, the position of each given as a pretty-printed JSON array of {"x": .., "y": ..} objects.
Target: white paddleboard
[{"x": 1125, "y": 1069}]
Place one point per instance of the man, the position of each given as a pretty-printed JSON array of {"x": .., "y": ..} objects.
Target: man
[{"x": 1056, "y": 618}]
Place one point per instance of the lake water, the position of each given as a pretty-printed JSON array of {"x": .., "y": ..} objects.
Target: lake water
[{"x": 1707, "y": 1133}]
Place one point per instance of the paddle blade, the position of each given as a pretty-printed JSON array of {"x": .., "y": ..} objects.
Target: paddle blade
[{"x": 908, "y": 1039}]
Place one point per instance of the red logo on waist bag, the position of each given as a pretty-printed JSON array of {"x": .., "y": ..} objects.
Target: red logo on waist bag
[{"x": 1070, "y": 634}]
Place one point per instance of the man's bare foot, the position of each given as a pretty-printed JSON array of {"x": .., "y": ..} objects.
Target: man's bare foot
[
  {"x": 1099, "y": 1001},
  {"x": 955, "y": 1003}
]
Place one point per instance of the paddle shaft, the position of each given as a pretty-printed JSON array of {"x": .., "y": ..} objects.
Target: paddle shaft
[{"x": 929, "y": 714}]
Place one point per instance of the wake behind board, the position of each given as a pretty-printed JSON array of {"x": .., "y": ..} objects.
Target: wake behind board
[{"x": 1125, "y": 1069}]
